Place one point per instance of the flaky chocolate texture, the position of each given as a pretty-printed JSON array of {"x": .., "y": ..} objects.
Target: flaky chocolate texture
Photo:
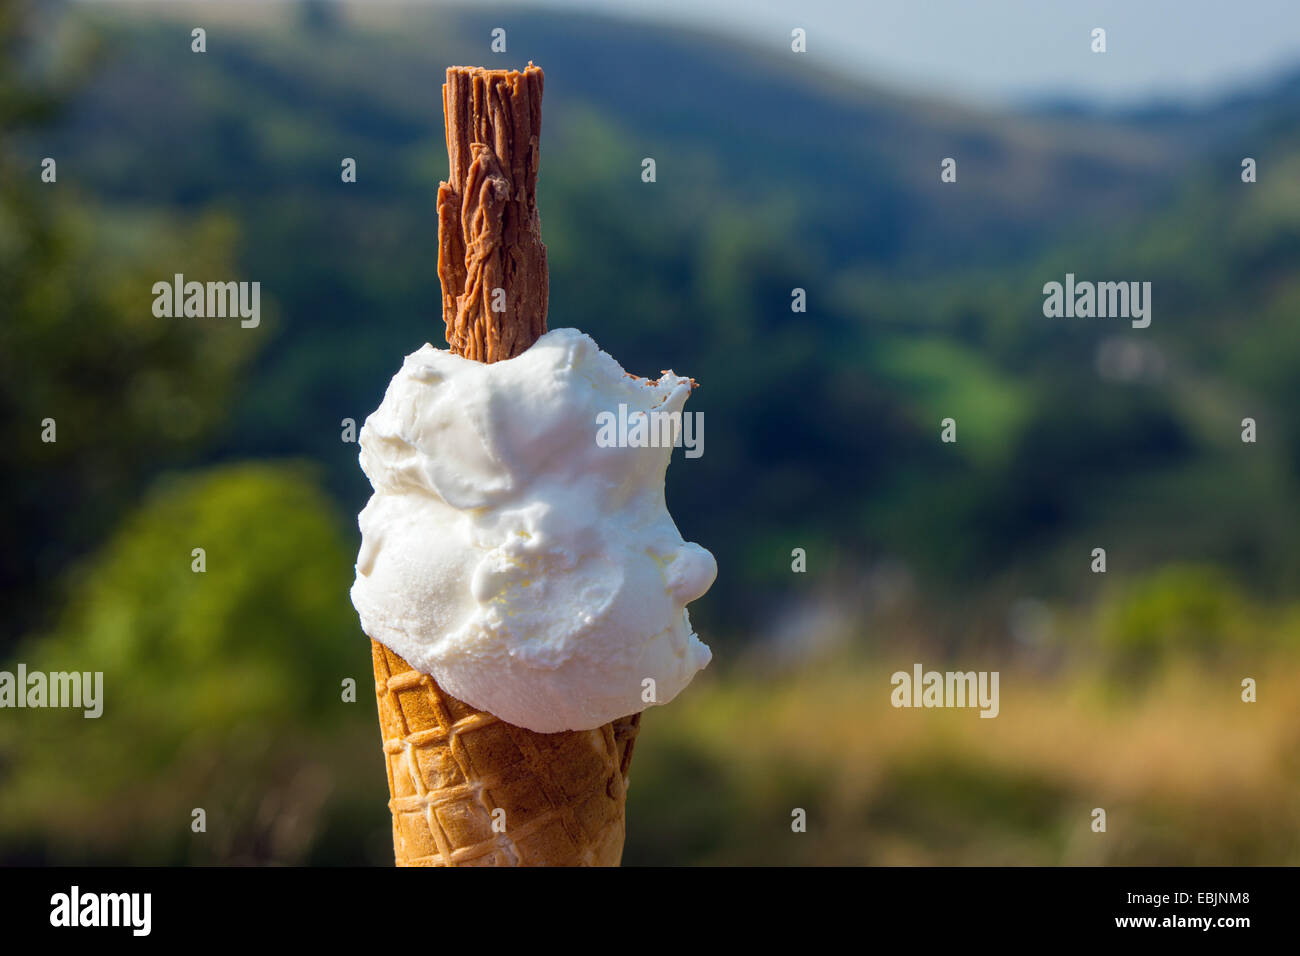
[
  {"x": 491, "y": 259},
  {"x": 466, "y": 788}
]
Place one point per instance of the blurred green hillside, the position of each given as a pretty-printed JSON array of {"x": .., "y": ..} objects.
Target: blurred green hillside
[
  {"x": 924, "y": 298},
  {"x": 924, "y": 303}
]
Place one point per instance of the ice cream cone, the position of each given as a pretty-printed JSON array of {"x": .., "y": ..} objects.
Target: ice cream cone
[{"x": 468, "y": 789}]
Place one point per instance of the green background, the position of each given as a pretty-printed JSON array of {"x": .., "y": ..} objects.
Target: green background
[{"x": 224, "y": 690}]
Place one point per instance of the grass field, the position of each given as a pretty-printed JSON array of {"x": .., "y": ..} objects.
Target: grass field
[{"x": 1186, "y": 771}]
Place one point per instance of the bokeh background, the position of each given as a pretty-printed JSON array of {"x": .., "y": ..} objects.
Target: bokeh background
[{"x": 223, "y": 690}]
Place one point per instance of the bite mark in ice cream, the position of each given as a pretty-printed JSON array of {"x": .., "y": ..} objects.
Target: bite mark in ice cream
[{"x": 533, "y": 573}]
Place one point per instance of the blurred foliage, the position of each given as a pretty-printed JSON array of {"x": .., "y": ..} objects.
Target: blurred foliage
[
  {"x": 81, "y": 346},
  {"x": 221, "y": 688},
  {"x": 923, "y": 299},
  {"x": 1179, "y": 611},
  {"x": 693, "y": 272}
]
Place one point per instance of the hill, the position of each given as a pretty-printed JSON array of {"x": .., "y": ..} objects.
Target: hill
[{"x": 924, "y": 297}]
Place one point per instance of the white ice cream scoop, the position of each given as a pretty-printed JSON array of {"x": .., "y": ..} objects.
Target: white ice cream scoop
[{"x": 531, "y": 569}]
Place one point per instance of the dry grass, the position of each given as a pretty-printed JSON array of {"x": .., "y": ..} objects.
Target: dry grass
[{"x": 1187, "y": 772}]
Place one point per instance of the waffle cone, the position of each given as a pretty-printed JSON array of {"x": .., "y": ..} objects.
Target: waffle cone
[{"x": 451, "y": 767}]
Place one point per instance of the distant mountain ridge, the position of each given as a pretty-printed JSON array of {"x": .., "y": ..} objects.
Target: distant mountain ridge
[{"x": 771, "y": 121}]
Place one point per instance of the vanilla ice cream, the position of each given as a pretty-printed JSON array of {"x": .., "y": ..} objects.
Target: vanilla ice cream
[{"x": 532, "y": 570}]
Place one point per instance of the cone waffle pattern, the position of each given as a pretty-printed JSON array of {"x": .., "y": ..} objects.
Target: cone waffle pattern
[{"x": 450, "y": 766}]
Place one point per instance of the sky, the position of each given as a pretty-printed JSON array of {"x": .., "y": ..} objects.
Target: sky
[{"x": 1013, "y": 51}]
